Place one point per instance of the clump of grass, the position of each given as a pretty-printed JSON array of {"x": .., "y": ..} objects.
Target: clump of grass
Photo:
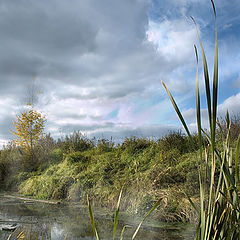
[{"x": 219, "y": 193}]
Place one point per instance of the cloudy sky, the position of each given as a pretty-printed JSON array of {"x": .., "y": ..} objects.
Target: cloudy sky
[{"x": 98, "y": 65}]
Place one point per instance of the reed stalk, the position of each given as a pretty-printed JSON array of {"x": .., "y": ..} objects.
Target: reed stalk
[
  {"x": 116, "y": 219},
  {"x": 219, "y": 192}
]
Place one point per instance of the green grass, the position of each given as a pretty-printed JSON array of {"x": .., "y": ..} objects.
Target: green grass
[{"x": 152, "y": 169}]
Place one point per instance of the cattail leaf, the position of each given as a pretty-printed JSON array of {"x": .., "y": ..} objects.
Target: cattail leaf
[
  {"x": 92, "y": 219},
  {"x": 116, "y": 215},
  {"x": 236, "y": 161},
  {"x": 214, "y": 9},
  {"x": 202, "y": 210},
  {"x": 122, "y": 233},
  {"x": 215, "y": 83},
  {"x": 140, "y": 224},
  {"x": 206, "y": 77},
  {"x": 178, "y": 113},
  {"x": 66, "y": 236},
  {"x": 198, "y": 108}
]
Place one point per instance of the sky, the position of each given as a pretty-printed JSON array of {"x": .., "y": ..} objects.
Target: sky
[{"x": 96, "y": 66}]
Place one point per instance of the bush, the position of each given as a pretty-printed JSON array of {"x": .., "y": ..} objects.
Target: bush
[
  {"x": 135, "y": 145},
  {"x": 75, "y": 142},
  {"x": 104, "y": 145},
  {"x": 77, "y": 157},
  {"x": 176, "y": 140},
  {"x": 223, "y": 129},
  {"x": 56, "y": 155}
]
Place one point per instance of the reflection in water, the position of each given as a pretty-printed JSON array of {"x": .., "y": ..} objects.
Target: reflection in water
[{"x": 40, "y": 220}]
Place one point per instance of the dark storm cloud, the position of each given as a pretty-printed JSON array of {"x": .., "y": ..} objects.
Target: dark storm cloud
[
  {"x": 48, "y": 28},
  {"x": 87, "y": 43},
  {"x": 91, "y": 57},
  {"x": 41, "y": 37},
  {"x": 50, "y": 39},
  {"x": 6, "y": 127}
]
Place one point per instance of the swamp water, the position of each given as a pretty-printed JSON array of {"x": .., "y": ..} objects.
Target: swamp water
[{"x": 40, "y": 219}]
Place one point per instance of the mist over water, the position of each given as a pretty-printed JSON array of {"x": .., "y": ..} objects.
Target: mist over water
[{"x": 39, "y": 219}]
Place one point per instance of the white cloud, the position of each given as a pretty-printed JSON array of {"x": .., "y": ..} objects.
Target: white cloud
[
  {"x": 173, "y": 39},
  {"x": 231, "y": 104},
  {"x": 8, "y": 106}
]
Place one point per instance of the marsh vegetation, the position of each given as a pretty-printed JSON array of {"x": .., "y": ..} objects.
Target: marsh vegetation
[{"x": 194, "y": 178}]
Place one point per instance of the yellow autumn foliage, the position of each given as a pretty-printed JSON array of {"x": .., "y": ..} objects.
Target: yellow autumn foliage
[{"x": 28, "y": 129}]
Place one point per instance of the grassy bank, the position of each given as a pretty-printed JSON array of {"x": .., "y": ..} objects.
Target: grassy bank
[{"x": 73, "y": 167}]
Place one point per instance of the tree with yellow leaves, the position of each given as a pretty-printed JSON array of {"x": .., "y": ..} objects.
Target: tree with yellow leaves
[{"x": 29, "y": 127}]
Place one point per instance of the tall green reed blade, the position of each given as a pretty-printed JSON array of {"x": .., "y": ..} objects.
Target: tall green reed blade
[
  {"x": 121, "y": 237},
  {"x": 198, "y": 107},
  {"x": 219, "y": 214},
  {"x": 66, "y": 236},
  {"x": 201, "y": 184},
  {"x": 211, "y": 208},
  {"x": 206, "y": 77},
  {"x": 186, "y": 129},
  {"x": 237, "y": 164},
  {"x": 215, "y": 80},
  {"x": 202, "y": 210},
  {"x": 178, "y": 113},
  {"x": 116, "y": 215},
  {"x": 140, "y": 224},
  {"x": 50, "y": 232},
  {"x": 92, "y": 219}
]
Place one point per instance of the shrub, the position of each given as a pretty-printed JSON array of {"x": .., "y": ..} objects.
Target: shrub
[
  {"x": 104, "y": 145},
  {"x": 176, "y": 140},
  {"x": 75, "y": 142},
  {"x": 56, "y": 155},
  {"x": 135, "y": 145},
  {"x": 77, "y": 157}
]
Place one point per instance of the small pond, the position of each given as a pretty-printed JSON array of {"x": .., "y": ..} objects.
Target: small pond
[{"x": 42, "y": 219}]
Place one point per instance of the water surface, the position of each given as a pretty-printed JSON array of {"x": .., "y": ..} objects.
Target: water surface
[{"x": 42, "y": 219}]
